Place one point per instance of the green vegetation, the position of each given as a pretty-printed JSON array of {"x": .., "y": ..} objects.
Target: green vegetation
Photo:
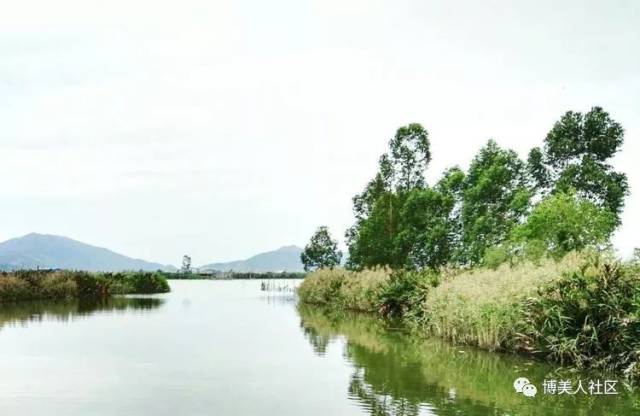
[
  {"x": 322, "y": 251},
  {"x": 582, "y": 311},
  {"x": 395, "y": 374},
  {"x": 343, "y": 288},
  {"x": 565, "y": 197},
  {"x": 64, "y": 284},
  {"x": 509, "y": 255}
]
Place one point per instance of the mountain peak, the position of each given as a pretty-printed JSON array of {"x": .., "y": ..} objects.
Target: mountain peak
[
  {"x": 289, "y": 248},
  {"x": 50, "y": 251}
]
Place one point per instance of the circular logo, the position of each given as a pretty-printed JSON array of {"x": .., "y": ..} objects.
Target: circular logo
[
  {"x": 520, "y": 383},
  {"x": 529, "y": 390}
]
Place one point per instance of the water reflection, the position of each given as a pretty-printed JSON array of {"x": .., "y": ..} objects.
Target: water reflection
[
  {"x": 395, "y": 374},
  {"x": 66, "y": 311}
]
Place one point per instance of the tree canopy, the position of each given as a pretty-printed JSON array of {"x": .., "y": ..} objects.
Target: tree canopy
[
  {"x": 575, "y": 158},
  {"x": 565, "y": 196},
  {"x": 321, "y": 252},
  {"x": 564, "y": 222}
]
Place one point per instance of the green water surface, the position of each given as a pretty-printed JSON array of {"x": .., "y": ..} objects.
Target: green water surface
[{"x": 228, "y": 348}]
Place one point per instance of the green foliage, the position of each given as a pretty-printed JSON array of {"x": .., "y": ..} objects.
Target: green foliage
[
  {"x": 582, "y": 311},
  {"x": 402, "y": 222},
  {"x": 63, "y": 284},
  {"x": 137, "y": 282},
  {"x": 425, "y": 237},
  {"x": 409, "y": 156},
  {"x": 322, "y": 251},
  {"x": 495, "y": 256},
  {"x": 562, "y": 223},
  {"x": 589, "y": 318},
  {"x": 495, "y": 199},
  {"x": 575, "y": 156},
  {"x": 405, "y": 292},
  {"x": 371, "y": 241},
  {"x": 376, "y": 290}
]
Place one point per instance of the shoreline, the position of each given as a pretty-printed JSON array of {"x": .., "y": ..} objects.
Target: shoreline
[{"x": 551, "y": 312}]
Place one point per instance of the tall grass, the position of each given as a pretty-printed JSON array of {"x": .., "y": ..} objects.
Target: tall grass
[
  {"x": 483, "y": 307},
  {"x": 63, "y": 284},
  {"x": 582, "y": 311},
  {"x": 346, "y": 289}
]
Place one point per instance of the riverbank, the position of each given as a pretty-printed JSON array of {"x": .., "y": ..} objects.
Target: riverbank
[
  {"x": 580, "y": 312},
  {"x": 28, "y": 285},
  {"x": 395, "y": 373}
]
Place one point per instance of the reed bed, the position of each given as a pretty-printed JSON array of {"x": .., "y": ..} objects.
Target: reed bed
[
  {"x": 346, "y": 289},
  {"x": 582, "y": 311},
  {"x": 26, "y": 285}
]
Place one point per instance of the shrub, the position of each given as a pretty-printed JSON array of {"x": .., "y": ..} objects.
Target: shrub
[
  {"x": 589, "y": 318},
  {"x": 405, "y": 292},
  {"x": 13, "y": 288}
]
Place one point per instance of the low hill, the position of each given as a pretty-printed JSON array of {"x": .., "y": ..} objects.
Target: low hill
[
  {"x": 56, "y": 252},
  {"x": 284, "y": 259}
]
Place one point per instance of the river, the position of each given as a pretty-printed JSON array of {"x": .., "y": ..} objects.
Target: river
[{"x": 230, "y": 348}]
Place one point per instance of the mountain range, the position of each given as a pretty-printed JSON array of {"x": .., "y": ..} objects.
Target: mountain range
[{"x": 47, "y": 251}]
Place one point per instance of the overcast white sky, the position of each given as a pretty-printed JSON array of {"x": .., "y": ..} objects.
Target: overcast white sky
[{"x": 221, "y": 129}]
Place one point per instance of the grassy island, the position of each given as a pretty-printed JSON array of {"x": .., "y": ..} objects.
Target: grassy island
[{"x": 25, "y": 285}]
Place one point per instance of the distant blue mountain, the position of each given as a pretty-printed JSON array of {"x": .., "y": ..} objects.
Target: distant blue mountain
[
  {"x": 284, "y": 259},
  {"x": 56, "y": 252}
]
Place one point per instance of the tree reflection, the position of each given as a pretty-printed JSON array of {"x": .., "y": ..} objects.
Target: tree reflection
[{"x": 395, "y": 373}]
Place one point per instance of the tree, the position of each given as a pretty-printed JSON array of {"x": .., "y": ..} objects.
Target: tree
[
  {"x": 575, "y": 159},
  {"x": 452, "y": 185},
  {"x": 377, "y": 209},
  {"x": 495, "y": 198},
  {"x": 371, "y": 241},
  {"x": 425, "y": 239},
  {"x": 564, "y": 222},
  {"x": 409, "y": 156},
  {"x": 322, "y": 251},
  {"x": 186, "y": 264}
]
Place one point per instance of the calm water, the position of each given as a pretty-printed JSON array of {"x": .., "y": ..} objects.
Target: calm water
[{"x": 228, "y": 348}]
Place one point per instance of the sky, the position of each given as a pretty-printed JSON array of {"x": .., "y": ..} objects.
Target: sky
[{"x": 221, "y": 129}]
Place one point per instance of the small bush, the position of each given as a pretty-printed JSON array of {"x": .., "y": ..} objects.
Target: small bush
[{"x": 405, "y": 292}]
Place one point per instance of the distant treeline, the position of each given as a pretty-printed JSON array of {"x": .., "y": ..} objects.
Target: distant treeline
[
  {"x": 229, "y": 275},
  {"x": 24, "y": 285}
]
